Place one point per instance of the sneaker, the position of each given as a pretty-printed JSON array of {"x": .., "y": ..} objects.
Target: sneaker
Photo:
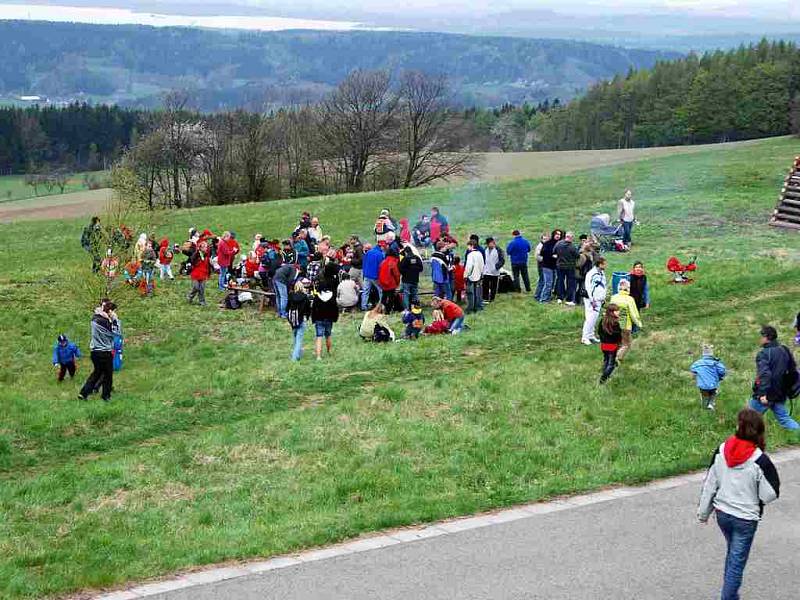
[
  {"x": 711, "y": 406},
  {"x": 558, "y": 301},
  {"x": 586, "y": 342},
  {"x": 570, "y": 303},
  {"x": 594, "y": 340},
  {"x": 81, "y": 396}
]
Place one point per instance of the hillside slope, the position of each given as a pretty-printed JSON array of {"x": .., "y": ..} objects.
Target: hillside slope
[
  {"x": 216, "y": 447},
  {"x": 134, "y": 64}
]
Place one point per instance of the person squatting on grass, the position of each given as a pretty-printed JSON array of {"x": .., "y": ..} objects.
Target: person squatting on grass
[
  {"x": 64, "y": 355},
  {"x": 595, "y": 287},
  {"x": 324, "y": 313},
  {"x": 776, "y": 373},
  {"x": 414, "y": 320},
  {"x": 629, "y": 316},
  {"x": 739, "y": 482},
  {"x": 452, "y": 313},
  {"x": 610, "y": 334},
  {"x": 104, "y": 325},
  {"x": 708, "y": 371},
  {"x": 297, "y": 312}
]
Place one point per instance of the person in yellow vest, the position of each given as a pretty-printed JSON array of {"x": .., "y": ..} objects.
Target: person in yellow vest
[{"x": 629, "y": 315}]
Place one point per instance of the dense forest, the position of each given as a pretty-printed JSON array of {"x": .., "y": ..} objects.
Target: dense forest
[
  {"x": 134, "y": 65},
  {"x": 78, "y": 137},
  {"x": 745, "y": 93}
]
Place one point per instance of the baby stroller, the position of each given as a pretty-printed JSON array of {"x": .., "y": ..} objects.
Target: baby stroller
[
  {"x": 679, "y": 270},
  {"x": 607, "y": 236}
]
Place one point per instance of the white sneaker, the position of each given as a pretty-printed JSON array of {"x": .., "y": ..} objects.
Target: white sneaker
[
  {"x": 586, "y": 342},
  {"x": 558, "y": 301},
  {"x": 594, "y": 340},
  {"x": 570, "y": 303}
]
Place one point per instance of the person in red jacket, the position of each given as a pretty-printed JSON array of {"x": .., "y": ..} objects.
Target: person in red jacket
[
  {"x": 226, "y": 250},
  {"x": 452, "y": 313},
  {"x": 389, "y": 280},
  {"x": 201, "y": 271},
  {"x": 459, "y": 283},
  {"x": 165, "y": 256}
]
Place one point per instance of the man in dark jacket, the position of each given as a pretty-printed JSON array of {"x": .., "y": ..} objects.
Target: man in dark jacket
[
  {"x": 773, "y": 363},
  {"x": 357, "y": 261},
  {"x": 518, "y": 250},
  {"x": 410, "y": 269},
  {"x": 104, "y": 325},
  {"x": 566, "y": 260}
]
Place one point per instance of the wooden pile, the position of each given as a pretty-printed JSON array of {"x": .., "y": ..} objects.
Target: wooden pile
[{"x": 787, "y": 213}]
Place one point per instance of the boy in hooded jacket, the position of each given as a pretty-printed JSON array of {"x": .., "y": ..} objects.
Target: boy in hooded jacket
[
  {"x": 324, "y": 313},
  {"x": 64, "y": 355},
  {"x": 708, "y": 371}
]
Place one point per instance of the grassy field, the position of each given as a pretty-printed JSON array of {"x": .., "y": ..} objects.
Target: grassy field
[
  {"x": 216, "y": 447},
  {"x": 13, "y": 187}
]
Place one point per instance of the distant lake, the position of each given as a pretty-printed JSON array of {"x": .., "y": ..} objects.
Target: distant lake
[{"x": 124, "y": 16}]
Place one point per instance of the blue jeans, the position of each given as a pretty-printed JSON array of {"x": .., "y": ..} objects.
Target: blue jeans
[
  {"x": 457, "y": 325},
  {"x": 779, "y": 410},
  {"x": 443, "y": 290},
  {"x": 368, "y": 285},
  {"x": 739, "y": 534},
  {"x": 223, "y": 277},
  {"x": 298, "y": 333},
  {"x": 549, "y": 276},
  {"x": 627, "y": 228},
  {"x": 281, "y": 297},
  {"x": 410, "y": 295},
  {"x": 474, "y": 296},
  {"x": 539, "y": 284}
]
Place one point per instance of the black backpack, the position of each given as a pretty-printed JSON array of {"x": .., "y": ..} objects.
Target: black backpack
[
  {"x": 296, "y": 312},
  {"x": 791, "y": 378},
  {"x": 381, "y": 334}
]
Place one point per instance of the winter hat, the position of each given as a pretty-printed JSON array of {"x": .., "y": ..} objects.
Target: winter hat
[
  {"x": 62, "y": 339},
  {"x": 515, "y": 232},
  {"x": 708, "y": 350}
]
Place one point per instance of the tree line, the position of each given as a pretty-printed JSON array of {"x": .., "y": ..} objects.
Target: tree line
[
  {"x": 370, "y": 133},
  {"x": 745, "y": 93}
]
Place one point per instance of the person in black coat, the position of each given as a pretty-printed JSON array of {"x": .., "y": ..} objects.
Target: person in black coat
[
  {"x": 324, "y": 313},
  {"x": 775, "y": 371}
]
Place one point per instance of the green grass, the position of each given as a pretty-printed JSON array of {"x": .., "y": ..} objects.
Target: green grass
[
  {"x": 217, "y": 447},
  {"x": 13, "y": 187}
]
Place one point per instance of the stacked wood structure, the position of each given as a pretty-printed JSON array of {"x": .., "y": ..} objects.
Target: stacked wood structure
[{"x": 787, "y": 213}]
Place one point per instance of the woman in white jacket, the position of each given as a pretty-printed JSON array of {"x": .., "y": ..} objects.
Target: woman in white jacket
[
  {"x": 595, "y": 287},
  {"x": 739, "y": 482}
]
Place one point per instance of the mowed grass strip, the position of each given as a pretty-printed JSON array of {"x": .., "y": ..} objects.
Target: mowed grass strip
[{"x": 216, "y": 447}]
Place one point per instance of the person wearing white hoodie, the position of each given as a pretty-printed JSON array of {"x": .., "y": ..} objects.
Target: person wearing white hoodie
[
  {"x": 595, "y": 286},
  {"x": 473, "y": 272},
  {"x": 739, "y": 482}
]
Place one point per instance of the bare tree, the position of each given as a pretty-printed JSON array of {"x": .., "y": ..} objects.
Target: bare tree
[
  {"x": 429, "y": 135},
  {"x": 355, "y": 123},
  {"x": 255, "y": 157}
]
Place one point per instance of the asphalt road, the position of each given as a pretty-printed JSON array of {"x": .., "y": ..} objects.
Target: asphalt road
[{"x": 646, "y": 546}]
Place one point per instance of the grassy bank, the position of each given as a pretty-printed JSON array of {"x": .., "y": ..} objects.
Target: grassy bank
[{"x": 217, "y": 447}]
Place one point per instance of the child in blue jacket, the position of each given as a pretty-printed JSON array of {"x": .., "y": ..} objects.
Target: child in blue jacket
[
  {"x": 64, "y": 355},
  {"x": 708, "y": 372}
]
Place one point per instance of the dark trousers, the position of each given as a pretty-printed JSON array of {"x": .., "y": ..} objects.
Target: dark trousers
[
  {"x": 474, "y": 296},
  {"x": 521, "y": 271},
  {"x": 490, "y": 287},
  {"x": 66, "y": 368},
  {"x": 565, "y": 284},
  {"x": 609, "y": 364},
  {"x": 103, "y": 372}
]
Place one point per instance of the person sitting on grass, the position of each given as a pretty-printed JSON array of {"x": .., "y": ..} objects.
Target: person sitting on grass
[
  {"x": 297, "y": 312},
  {"x": 64, "y": 355},
  {"x": 708, "y": 372},
  {"x": 610, "y": 333},
  {"x": 347, "y": 293},
  {"x": 414, "y": 320},
  {"x": 452, "y": 313},
  {"x": 375, "y": 325},
  {"x": 324, "y": 313}
]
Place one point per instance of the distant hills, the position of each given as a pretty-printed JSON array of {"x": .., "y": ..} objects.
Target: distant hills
[{"x": 135, "y": 65}]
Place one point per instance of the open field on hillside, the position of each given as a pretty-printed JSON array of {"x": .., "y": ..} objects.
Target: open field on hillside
[
  {"x": 56, "y": 206},
  {"x": 13, "y": 187},
  {"x": 216, "y": 447}
]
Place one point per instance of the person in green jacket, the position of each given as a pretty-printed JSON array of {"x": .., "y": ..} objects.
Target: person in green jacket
[{"x": 629, "y": 316}]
